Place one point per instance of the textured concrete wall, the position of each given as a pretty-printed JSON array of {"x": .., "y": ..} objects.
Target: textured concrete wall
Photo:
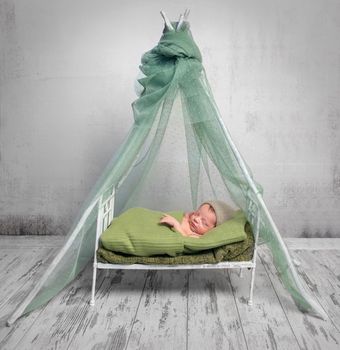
[{"x": 67, "y": 71}]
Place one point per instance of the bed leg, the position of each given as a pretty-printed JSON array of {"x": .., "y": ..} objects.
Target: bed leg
[
  {"x": 250, "y": 301},
  {"x": 93, "y": 284}
]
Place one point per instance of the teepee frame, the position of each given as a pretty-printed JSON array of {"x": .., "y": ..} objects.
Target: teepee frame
[
  {"x": 106, "y": 213},
  {"x": 255, "y": 206}
]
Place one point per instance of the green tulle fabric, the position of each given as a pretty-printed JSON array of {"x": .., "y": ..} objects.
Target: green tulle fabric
[{"x": 174, "y": 80}]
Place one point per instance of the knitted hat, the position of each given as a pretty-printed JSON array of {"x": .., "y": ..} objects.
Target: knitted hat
[{"x": 222, "y": 210}]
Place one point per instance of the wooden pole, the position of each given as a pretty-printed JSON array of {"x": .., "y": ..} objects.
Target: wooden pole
[
  {"x": 166, "y": 21},
  {"x": 182, "y": 18}
]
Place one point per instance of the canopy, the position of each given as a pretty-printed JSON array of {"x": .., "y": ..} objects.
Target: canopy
[{"x": 177, "y": 154}]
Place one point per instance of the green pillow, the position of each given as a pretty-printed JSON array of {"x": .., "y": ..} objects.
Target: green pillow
[
  {"x": 138, "y": 232},
  {"x": 230, "y": 231}
]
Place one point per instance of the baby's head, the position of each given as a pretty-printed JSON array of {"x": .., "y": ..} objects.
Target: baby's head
[{"x": 209, "y": 215}]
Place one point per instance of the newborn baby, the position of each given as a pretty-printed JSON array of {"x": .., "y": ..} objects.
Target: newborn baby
[{"x": 197, "y": 223}]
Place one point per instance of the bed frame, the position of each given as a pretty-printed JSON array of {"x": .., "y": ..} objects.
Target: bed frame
[{"x": 105, "y": 216}]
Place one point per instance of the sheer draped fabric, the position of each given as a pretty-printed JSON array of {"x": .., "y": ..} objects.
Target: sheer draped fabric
[{"x": 177, "y": 154}]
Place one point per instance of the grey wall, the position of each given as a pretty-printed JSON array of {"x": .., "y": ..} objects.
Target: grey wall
[{"x": 67, "y": 74}]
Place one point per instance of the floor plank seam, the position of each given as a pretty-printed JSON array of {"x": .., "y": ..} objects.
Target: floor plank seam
[
  {"x": 238, "y": 312},
  {"x": 278, "y": 298},
  {"x": 329, "y": 317}
]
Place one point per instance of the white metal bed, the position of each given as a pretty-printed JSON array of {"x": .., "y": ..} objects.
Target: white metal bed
[{"x": 106, "y": 214}]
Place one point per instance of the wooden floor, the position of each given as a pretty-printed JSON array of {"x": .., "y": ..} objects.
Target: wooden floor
[{"x": 200, "y": 309}]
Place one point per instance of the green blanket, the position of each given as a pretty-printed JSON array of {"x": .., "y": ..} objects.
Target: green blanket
[
  {"x": 238, "y": 251},
  {"x": 138, "y": 232}
]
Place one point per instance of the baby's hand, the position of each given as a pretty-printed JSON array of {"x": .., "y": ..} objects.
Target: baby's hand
[{"x": 168, "y": 220}]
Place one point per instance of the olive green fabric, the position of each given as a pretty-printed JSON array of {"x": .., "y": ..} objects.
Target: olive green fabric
[
  {"x": 138, "y": 232},
  {"x": 239, "y": 251}
]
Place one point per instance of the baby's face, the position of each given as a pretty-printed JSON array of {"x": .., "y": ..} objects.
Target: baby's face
[{"x": 202, "y": 220}]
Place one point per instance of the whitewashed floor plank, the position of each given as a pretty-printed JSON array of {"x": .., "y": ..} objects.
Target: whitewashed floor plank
[
  {"x": 330, "y": 261},
  {"x": 59, "y": 319},
  {"x": 10, "y": 266},
  {"x": 17, "y": 285},
  {"x": 264, "y": 323},
  {"x": 213, "y": 320},
  {"x": 169, "y": 309},
  {"x": 161, "y": 320},
  {"x": 311, "y": 332},
  {"x": 18, "y": 274},
  {"x": 108, "y": 323},
  {"x": 12, "y": 263},
  {"x": 317, "y": 271},
  {"x": 11, "y": 336}
]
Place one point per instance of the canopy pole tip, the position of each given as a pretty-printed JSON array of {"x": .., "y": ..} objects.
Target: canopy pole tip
[{"x": 166, "y": 21}]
